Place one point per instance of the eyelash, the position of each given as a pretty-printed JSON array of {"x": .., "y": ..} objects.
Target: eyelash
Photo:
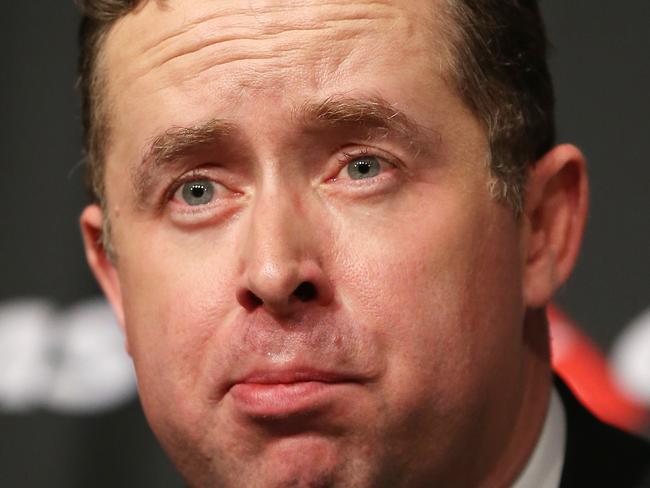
[{"x": 348, "y": 157}]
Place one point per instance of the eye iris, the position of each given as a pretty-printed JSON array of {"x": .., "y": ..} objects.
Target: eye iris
[
  {"x": 198, "y": 192},
  {"x": 364, "y": 168}
]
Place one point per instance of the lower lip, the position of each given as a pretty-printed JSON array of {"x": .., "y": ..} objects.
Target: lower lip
[{"x": 283, "y": 399}]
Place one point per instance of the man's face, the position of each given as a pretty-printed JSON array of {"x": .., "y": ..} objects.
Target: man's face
[{"x": 316, "y": 285}]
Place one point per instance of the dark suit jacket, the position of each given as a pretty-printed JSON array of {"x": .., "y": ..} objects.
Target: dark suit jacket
[{"x": 598, "y": 455}]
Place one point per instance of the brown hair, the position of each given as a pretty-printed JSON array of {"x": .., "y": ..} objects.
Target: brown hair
[
  {"x": 98, "y": 16},
  {"x": 498, "y": 65}
]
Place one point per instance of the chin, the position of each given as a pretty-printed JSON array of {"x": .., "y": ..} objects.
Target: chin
[{"x": 306, "y": 460}]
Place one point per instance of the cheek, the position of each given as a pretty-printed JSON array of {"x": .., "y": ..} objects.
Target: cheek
[
  {"x": 177, "y": 294},
  {"x": 447, "y": 307}
]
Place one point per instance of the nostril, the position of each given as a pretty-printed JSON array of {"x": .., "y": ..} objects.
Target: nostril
[
  {"x": 305, "y": 292},
  {"x": 250, "y": 300}
]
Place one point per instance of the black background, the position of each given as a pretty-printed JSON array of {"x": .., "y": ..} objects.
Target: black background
[{"x": 601, "y": 68}]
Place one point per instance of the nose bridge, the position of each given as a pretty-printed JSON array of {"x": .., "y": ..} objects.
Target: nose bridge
[
  {"x": 279, "y": 267},
  {"x": 276, "y": 247}
]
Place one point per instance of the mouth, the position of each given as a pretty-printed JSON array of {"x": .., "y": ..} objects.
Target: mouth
[{"x": 280, "y": 394}]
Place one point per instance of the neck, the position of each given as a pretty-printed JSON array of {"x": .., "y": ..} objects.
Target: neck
[{"x": 535, "y": 388}]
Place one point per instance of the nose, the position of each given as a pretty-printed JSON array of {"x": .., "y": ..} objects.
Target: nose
[{"x": 281, "y": 259}]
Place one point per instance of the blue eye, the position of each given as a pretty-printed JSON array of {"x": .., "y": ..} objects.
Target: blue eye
[
  {"x": 364, "y": 167},
  {"x": 197, "y": 192}
]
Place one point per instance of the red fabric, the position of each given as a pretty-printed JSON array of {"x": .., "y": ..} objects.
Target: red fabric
[{"x": 584, "y": 368}]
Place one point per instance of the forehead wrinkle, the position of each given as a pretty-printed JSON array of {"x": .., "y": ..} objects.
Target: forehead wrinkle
[
  {"x": 212, "y": 30},
  {"x": 165, "y": 148}
]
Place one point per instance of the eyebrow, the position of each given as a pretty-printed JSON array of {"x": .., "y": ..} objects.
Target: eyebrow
[
  {"x": 371, "y": 114},
  {"x": 174, "y": 143},
  {"x": 178, "y": 141}
]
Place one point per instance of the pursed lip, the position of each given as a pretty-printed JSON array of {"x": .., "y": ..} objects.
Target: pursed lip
[
  {"x": 271, "y": 377},
  {"x": 281, "y": 393}
]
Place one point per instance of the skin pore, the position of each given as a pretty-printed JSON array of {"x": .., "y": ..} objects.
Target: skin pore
[{"x": 295, "y": 188}]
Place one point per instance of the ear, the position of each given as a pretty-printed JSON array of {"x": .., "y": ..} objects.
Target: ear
[
  {"x": 556, "y": 211},
  {"x": 92, "y": 226}
]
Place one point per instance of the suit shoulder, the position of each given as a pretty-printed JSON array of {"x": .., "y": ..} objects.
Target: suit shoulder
[{"x": 598, "y": 454}]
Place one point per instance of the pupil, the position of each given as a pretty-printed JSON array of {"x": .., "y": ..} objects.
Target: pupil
[
  {"x": 197, "y": 191},
  {"x": 363, "y": 167}
]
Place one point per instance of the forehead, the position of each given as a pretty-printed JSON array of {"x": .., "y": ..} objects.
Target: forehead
[
  {"x": 156, "y": 21},
  {"x": 260, "y": 43},
  {"x": 173, "y": 63}
]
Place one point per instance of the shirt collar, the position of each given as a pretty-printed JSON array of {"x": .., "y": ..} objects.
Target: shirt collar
[{"x": 544, "y": 467}]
